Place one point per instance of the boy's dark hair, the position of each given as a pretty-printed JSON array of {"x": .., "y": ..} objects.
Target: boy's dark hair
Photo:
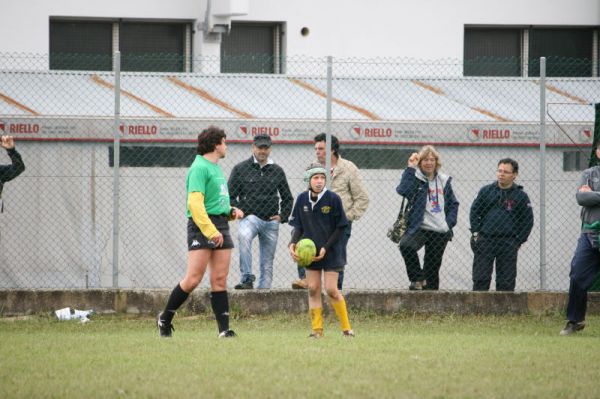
[
  {"x": 335, "y": 144},
  {"x": 209, "y": 139},
  {"x": 512, "y": 162}
]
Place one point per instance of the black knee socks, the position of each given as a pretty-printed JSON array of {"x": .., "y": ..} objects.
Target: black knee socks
[
  {"x": 176, "y": 299},
  {"x": 220, "y": 306},
  {"x": 219, "y": 301}
]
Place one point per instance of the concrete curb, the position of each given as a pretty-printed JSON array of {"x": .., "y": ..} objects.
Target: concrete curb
[{"x": 253, "y": 302}]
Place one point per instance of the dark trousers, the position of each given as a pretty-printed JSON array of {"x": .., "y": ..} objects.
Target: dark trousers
[
  {"x": 435, "y": 245},
  {"x": 345, "y": 237},
  {"x": 504, "y": 251},
  {"x": 584, "y": 270}
]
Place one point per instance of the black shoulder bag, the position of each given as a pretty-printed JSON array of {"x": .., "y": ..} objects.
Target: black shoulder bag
[{"x": 397, "y": 231}]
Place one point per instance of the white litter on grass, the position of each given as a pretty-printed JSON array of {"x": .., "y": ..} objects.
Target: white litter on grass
[{"x": 73, "y": 314}]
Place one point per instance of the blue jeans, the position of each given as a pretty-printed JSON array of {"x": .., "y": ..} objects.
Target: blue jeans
[{"x": 267, "y": 232}]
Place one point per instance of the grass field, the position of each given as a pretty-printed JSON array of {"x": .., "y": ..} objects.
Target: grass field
[{"x": 391, "y": 356}]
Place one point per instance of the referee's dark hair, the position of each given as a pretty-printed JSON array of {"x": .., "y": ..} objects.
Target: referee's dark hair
[
  {"x": 335, "y": 144},
  {"x": 209, "y": 139}
]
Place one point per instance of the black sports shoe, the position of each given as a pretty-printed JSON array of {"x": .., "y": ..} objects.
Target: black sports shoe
[
  {"x": 164, "y": 329},
  {"x": 247, "y": 284},
  {"x": 227, "y": 334},
  {"x": 572, "y": 328}
]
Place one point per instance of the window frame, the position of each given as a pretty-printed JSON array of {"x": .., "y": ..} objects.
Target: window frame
[
  {"x": 528, "y": 63},
  {"x": 277, "y": 40},
  {"x": 115, "y": 38}
]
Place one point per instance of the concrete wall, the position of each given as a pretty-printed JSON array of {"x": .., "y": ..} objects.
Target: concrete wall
[{"x": 151, "y": 302}]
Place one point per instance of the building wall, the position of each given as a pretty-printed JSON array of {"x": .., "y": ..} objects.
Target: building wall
[
  {"x": 416, "y": 29},
  {"x": 429, "y": 29}
]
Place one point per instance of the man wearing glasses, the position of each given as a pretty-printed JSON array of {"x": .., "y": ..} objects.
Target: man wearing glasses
[{"x": 501, "y": 219}]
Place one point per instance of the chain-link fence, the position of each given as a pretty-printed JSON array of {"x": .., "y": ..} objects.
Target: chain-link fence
[{"x": 102, "y": 200}]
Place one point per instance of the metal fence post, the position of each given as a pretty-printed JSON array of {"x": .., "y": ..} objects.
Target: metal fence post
[
  {"x": 116, "y": 172},
  {"x": 542, "y": 173},
  {"x": 328, "y": 116}
]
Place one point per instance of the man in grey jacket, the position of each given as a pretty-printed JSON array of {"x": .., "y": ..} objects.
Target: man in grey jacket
[{"x": 586, "y": 261}]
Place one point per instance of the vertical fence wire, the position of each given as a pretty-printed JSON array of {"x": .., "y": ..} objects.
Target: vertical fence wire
[{"x": 542, "y": 173}]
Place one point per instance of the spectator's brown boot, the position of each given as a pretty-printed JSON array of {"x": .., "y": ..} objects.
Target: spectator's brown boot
[{"x": 300, "y": 284}]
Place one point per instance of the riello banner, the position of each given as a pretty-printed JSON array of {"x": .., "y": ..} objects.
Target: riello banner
[{"x": 297, "y": 131}]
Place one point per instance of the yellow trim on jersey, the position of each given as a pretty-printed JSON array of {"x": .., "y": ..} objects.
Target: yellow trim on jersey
[{"x": 199, "y": 215}]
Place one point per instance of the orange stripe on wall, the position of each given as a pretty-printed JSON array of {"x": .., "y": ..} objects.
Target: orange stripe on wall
[
  {"x": 97, "y": 79},
  {"x": 440, "y": 92},
  {"x": 15, "y": 103},
  {"x": 490, "y": 114},
  {"x": 209, "y": 97},
  {"x": 424, "y": 85},
  {"x": 566, "y": 94},
  {"x": 343, "y": 103}
]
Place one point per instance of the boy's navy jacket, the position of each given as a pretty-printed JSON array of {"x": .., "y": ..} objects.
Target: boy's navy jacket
[{"x": 319, "y": 223}]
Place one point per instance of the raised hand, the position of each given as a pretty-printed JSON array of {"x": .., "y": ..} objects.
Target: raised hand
[
  {"x": 8, "y": 142},
  {"x": 413, "y": 161}
]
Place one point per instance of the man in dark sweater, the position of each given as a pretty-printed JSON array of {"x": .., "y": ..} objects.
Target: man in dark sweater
[
  {"x": 501, "y": 220},
  {"x": 9, "y": 172},
  {"x": 260, "y": 189}
]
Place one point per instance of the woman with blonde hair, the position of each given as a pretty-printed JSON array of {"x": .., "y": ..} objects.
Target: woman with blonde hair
[{"x": 432, "y": 213}]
